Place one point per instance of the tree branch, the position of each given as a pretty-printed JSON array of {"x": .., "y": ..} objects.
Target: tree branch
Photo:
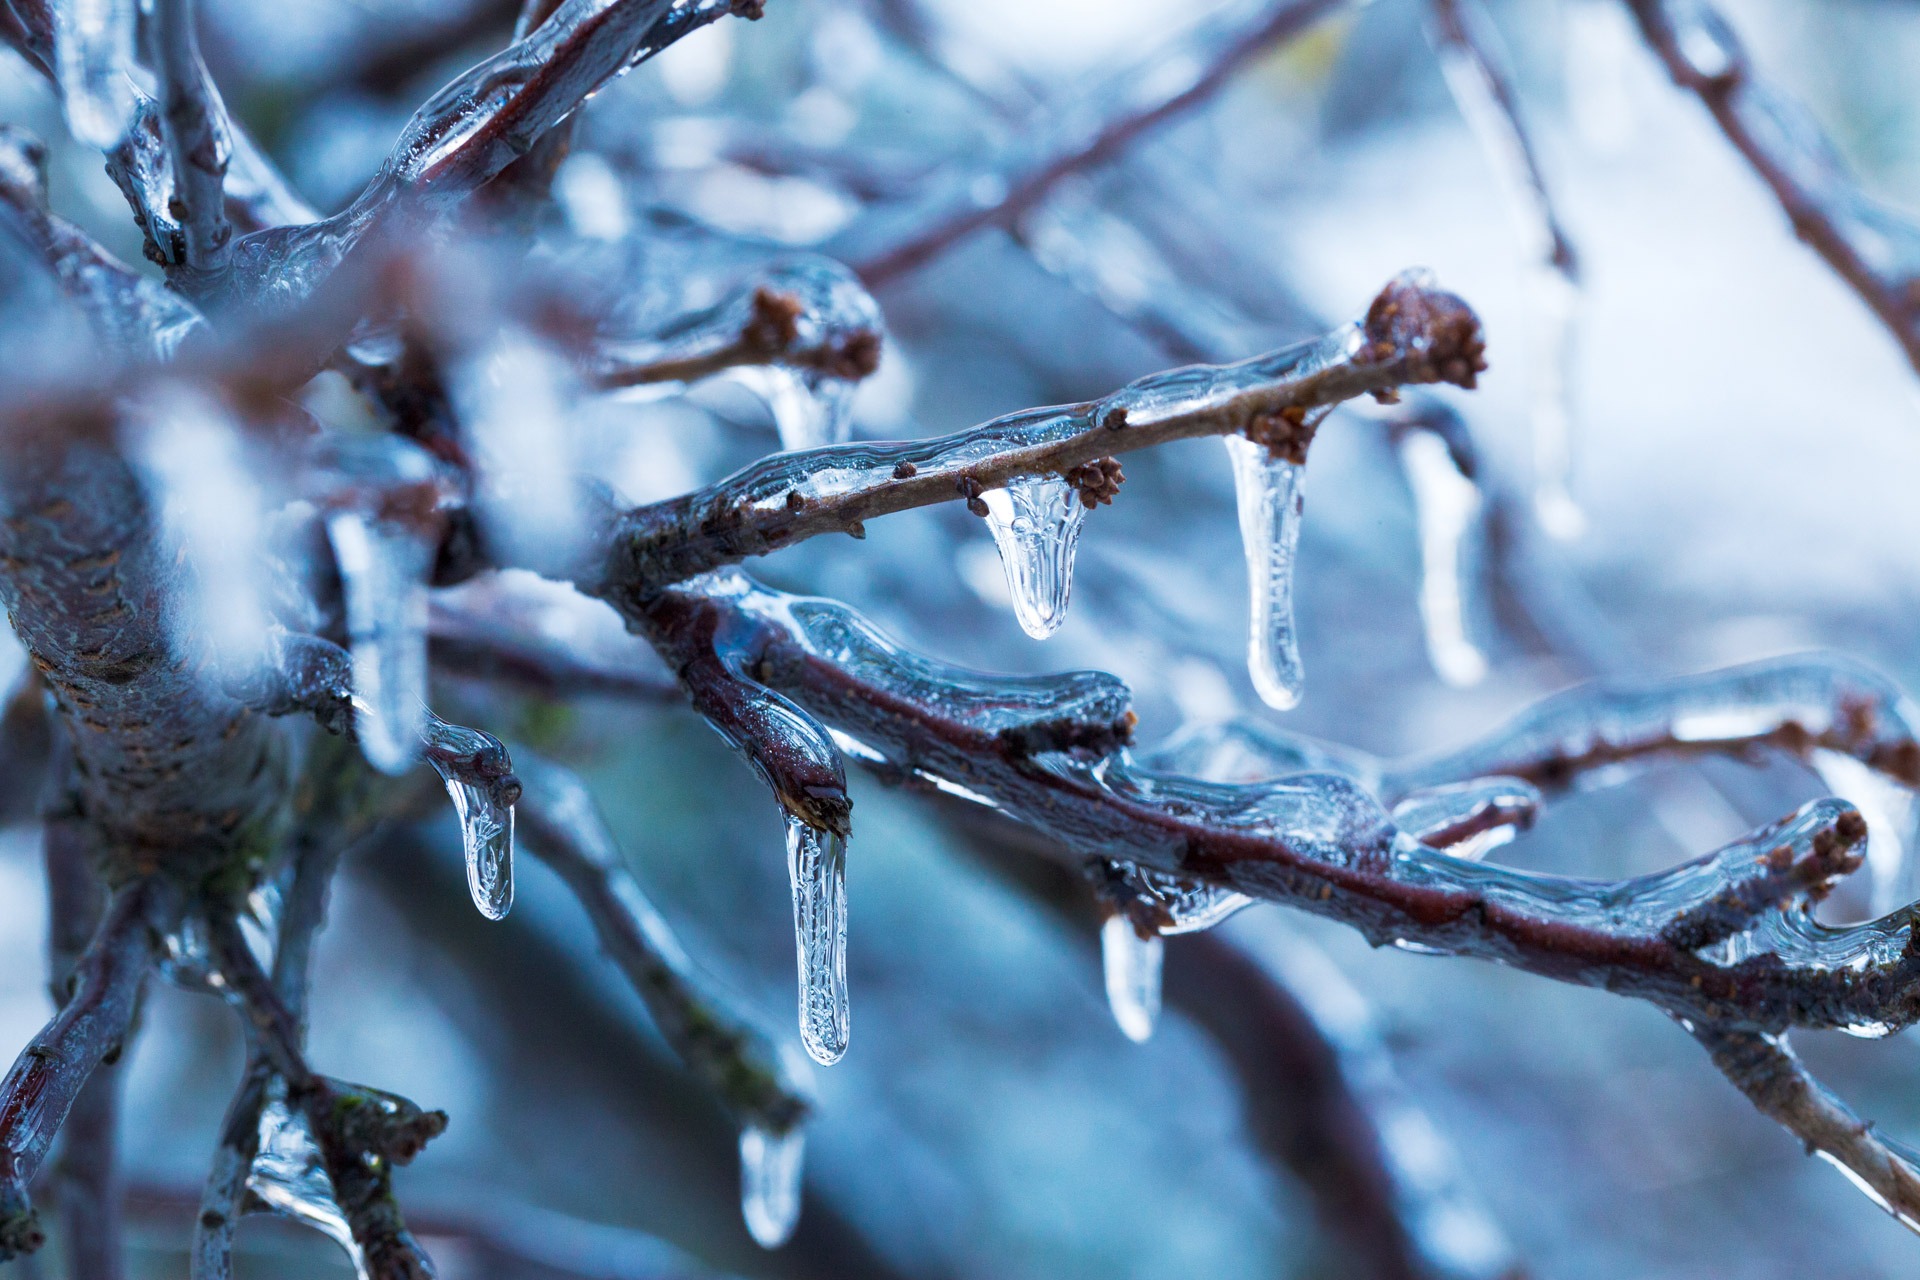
[
  {"x": 195, "y": 124},
  {"x": 1412, "y": 334},
  {"x": 1876, "y": 250},
  {"x": 44, "y": 1082}
]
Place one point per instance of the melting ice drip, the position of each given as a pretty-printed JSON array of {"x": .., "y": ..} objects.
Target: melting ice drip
[
  {"x": 808, "y": 408},
  {"x": 1131, "y": 965},
  {"x": 93, "y": 51},
  {"x": 290, "y": 1177},
  {"x": 770, "y": 1183},
  {"x": 1270, "y": 499},
  {"x": 1035, "y": 523},
  {"x": 383, "y": 575},
  {"x": 817, "y": 867},
  {"x": 1447, "y": 507},
  {"x": 486, "y": 824}
]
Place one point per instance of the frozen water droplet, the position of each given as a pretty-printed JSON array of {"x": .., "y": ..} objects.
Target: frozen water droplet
[
  {"x": 808, "y": 409},
  {"x": 1447, "y": 506},
  {"x": 770, "y": 1183},
  {"x": 486, "y": 824},
  {"x": 817, "y": 867},
  {"x": 1036, "y": 523},
  {"x": 383, "y": 573},
  {"x": 1270, "y": 499},
  {"x": 290, "y": 1177},
  {"x": 93, "y": 51},
  {"x": 1132, "y": 966}
]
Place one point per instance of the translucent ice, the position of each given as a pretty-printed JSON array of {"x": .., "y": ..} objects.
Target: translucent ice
[
  {"x": 1447, "y": 505},
  {"x": 93, "y": 52},
  {"x": 817, "y": 867},
  {"x": 770, "y": 1183},
  {"x": 290, "y": 1177},
  {"x": 1035, "y": 523},
  {"x": 1132, "y": 967},
  {"x": 1270, "y": 500},
  {"x": 486, "y": 821},
  {"x": 383, "y": 575}
]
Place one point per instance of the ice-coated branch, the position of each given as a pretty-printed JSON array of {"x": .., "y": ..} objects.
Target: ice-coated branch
[
  {"x": 49, "y": 1075},
  {"x": 1765, "y": 1069},
  {"x": 1181, "y": 76},
  {"x": 472, "y": 129},
  {"x": 1050, "y": 752},
  {"x": 796, "y": 318},
  {"x": 1412, "y": 334},
  {"x": 732, "y": 1057},
  {"x": 1874, "y": 248},
  {"x": 1468, "y": 45},
  {"x": 195, "y": 124},
  {"x": 361, "y": 1134},
  {"x": 86, "y": 1168},
  {"x": 722, "y": 1047}
]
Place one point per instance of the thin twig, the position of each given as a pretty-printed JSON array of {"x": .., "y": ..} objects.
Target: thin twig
[
  {"x": 196, "y": 128},
  {"x": 1412, "y": 334}
]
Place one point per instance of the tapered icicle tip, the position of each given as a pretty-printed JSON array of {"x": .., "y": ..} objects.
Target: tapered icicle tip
[
  {"x": 770, "y": 1183},
  {"x": 817, "y": 868},
  {"x": 1447, "y": 507},
  {"x": 1132, "y": 968},
  {"x": 474, "y": 767},
  {"x": 1269, "y": 496},
  {"x": 1035, "y": 522}
]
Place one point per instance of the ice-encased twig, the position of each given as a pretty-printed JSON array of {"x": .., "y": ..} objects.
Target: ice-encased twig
[
  {"x": 719, "y": 1044},
  {"x": 1726, "y": 940},
  {"x": 48, "y": 1076},
  {"x": 1412, "y": 334},
  {"x": 1872, "y": 246},
  {"x": 1474, "y": 63},
  {"x": 799, "y": 337},
  {"x": 1179, "y": 74},
  {"x": 194, "y": 122}
]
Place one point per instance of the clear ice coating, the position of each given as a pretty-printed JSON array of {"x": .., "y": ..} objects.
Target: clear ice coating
[
  {"x": 1469, "y": 819},
  {"x": 93, "y": 52},
  {"x": 486, "y": 824},
  {"x": 290, "y": 1177},
  {"x": 1447, "y": 505},
  {"x": 383, "y": 576},
  {"x": 770, "y": 1183},
  {"x": 1035, "y": 523},
  {"x": 1268, "y": 490},
  {"x": 1888, "y": 806},
  {"x": 1131, "y": 965},
  {"x": 817, "y": 868},
  {"x": 808, "y": 408}
]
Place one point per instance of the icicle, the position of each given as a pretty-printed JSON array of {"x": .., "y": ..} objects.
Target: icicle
[
  {"x": 1888, "y": 808},
  {"x": 486, "y": 823},
  {"x": 383, "y": 572},
  {"x": 1556, "y": 298},
  {"x": 809, "y": 409},
  {"x": 290, "y": 1178},
  {"x": 770, "y": 1183},
  {"x": 1132, "y": 966},
  {"x": 93, "y": 51},
  {"x": 1036, "y": 522},
  {"x": 1270, "y": 500},
  {"x": 817, "y": 867},
  {"x": 1447, "y": 505}
]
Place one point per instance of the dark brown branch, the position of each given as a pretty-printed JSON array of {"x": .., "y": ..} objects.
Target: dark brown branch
[
  {"x": 47, "y": 1078},
  {"x": 361, "y": 1135},
  {"x": 1800, "y": 166},
  {"x": 771, "y": 335},
  {"x": 1286, "y": 20},
  {"x": 1412, "y": 334}
]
